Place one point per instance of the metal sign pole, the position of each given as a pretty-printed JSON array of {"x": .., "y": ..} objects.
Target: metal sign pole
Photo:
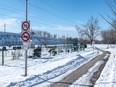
[
  {"x": 26, "y": 49},
  {"x": 25, "y": 62}
]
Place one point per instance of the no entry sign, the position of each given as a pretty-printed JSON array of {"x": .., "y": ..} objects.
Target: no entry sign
[{"x": 25, "y": 36}]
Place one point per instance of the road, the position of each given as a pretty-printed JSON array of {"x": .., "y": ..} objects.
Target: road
[{"x": 65, "y": 82}]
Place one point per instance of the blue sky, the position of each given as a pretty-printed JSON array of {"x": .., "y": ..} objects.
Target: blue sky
[{"x": 55, "y": 16}]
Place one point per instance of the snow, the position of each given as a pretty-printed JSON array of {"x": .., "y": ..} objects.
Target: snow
[
  {"x": 85, "y": 79},
  {"x": 108, "y": 75},
  {"x": 42, "y": 69}
]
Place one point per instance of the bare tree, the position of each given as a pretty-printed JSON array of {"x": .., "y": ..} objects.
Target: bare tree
[
  {"x": 55, "y": 36},
  {"x": 90, "y": 30},
  {"x": 109, "y": 36},
  {"x": 105, "y": 36},
  {"x": 49, "y": 35},
  {"x": 111, "y": 19},
  {"x": 39, "y": 33}
]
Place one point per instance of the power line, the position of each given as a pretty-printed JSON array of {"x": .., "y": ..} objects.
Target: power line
[
  {"x": 38, "y": 19},
  {"x": 46, "y": 11},
  {"x": 55, "y": 9},
  {"x": 11, "y": 10},
  {"x": 22, "y": 12},
  {"x": 33, "y": 17}
]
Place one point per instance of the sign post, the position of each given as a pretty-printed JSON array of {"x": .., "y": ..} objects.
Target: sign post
[{"x": 25, "y": 36}]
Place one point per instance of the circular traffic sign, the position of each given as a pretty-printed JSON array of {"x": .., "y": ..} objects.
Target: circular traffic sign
[
  {"x": 25, "y": 25},
  {"x": 25, "y": 36}
]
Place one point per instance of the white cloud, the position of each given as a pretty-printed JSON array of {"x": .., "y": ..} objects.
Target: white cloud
[
  {"x": 54, "y": 28},
  {"x": 39, "y": 27},
  {"x": 60, "y": 30},
  {"x": 65, "y": 28},
  {"x": 11, "y": 24}
]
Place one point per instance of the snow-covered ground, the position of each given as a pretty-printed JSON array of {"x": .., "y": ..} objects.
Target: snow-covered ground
[
  {"x": 43, "y": 69},
  {"x": 85, "y": 79},
  {"x": 108, "y": 75}
]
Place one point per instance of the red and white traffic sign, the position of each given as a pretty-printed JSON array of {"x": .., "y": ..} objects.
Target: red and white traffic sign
[
  {"x": 25, "y": 25},
  {"x": 25, "y": 36}
]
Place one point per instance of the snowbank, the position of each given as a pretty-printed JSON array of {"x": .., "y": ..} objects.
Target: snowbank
[{"x": 108, "y": 75}]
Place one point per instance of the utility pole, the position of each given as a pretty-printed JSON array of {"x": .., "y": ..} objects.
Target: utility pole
[
  {"x": 4, "y": 27},
  {"x": 4, "y": 43},
  {"x": 4, "y": 32},
  {"x": 26, "y": 49}
]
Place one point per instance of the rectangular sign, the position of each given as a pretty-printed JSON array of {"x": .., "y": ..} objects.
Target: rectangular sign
[{"x": 25, "y": 46}]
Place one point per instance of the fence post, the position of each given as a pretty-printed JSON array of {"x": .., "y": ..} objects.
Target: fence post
[{"x": 2, "y": 57}]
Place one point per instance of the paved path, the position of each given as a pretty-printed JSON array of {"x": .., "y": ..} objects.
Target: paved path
[{"x": 78, "y": 73}]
